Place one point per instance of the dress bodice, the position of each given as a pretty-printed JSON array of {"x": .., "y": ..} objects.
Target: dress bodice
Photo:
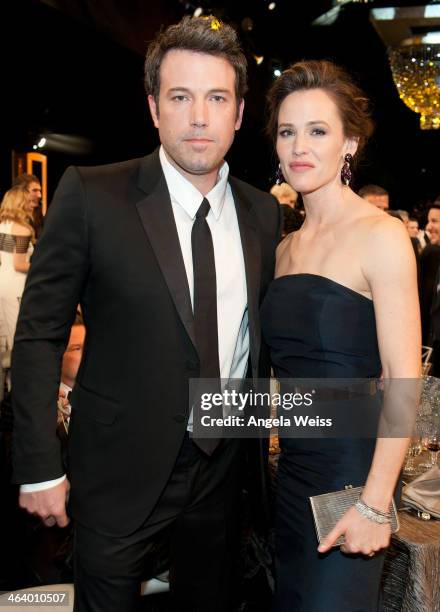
[{"x": 317, "y": 328}]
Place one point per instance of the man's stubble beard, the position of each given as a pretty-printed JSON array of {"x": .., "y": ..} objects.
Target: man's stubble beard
[{"x": 194, "y": 163}]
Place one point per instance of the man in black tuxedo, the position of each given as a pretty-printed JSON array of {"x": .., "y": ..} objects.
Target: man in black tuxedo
[{"x": 169, "y": 258}]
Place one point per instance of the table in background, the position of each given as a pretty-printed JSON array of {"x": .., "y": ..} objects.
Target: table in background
[{"x": 411, "y": 577}]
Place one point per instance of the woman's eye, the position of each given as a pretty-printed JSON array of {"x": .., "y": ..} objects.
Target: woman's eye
[
  {"x": 285, "y": 133},
  {"x": 319, "y": 131}
]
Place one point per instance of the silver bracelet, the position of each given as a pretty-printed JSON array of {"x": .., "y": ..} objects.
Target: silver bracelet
[
  {"x": 377, "y": 516},
  {"x": 381, "y": 512}
]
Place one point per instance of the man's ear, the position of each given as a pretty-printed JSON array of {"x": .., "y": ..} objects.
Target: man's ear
[
  {"x": 239, "y": 114},
  {"x": 153, "y": 110}
]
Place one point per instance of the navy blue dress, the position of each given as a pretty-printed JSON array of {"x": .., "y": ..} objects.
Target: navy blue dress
[{"x": 318, "y": 328}]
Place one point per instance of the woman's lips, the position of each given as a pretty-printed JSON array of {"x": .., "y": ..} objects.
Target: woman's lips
[{"x": 300, "y": 167}]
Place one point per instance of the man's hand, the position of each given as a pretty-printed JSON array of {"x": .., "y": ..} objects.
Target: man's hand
[{"x": 49, "y": 504}]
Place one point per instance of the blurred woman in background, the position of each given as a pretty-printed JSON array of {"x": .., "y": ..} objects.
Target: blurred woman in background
[{"x": 16, "y": 235}]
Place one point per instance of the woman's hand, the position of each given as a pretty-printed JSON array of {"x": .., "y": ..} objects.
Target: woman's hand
[{"x": 362, "y": 536}]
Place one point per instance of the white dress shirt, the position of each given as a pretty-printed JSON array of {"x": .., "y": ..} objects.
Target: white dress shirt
[
  {"x": 232, "y": 312},
  {"x": 232, "y": 319}
]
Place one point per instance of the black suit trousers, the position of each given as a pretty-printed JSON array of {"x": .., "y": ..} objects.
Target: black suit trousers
[{"x": 198, "y": 514}]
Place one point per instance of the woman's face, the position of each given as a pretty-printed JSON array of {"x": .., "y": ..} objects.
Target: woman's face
[{"x": 310, "y": 141}]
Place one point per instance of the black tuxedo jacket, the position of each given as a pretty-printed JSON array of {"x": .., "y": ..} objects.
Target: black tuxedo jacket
[{"x": 110, "y": 243}]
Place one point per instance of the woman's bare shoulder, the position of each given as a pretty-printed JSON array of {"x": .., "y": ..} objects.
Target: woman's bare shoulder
[
  {"x": 382, "y": 225},
  {"x": 385, "y": 245},
  {"x": 20, "y": 230},
  {"x": 367, "y": 218}
]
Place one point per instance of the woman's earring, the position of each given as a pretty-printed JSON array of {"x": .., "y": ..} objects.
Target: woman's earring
[
  {"x": 279, "y": 178},
  {"x": 346, "y": 174}
]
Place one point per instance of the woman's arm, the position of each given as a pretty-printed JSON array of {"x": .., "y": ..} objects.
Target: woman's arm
[
  {"x": 390, "y": 268},
  {"x": 21, "y": 263},
  {"x": 388, "y": 264},
  {"x": 22, "y": 240}
]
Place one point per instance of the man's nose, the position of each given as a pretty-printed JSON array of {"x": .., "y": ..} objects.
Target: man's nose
[{"x": 199, "y": 114}]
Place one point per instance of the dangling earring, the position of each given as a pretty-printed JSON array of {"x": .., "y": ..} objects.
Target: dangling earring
[
  {"x": 346, "y": 174},
  {"x": 279, "y": 178}
]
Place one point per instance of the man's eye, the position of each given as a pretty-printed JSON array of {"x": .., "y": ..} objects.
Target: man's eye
[
  {"x": 218, "y": 98},
  {"x": 179, "y": 98}
]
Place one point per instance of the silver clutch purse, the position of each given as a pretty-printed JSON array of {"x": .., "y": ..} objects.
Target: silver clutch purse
[{"x": 328, "y": 508}]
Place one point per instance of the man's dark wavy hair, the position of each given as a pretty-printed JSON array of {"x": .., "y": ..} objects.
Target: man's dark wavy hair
[{"x": 202, "y": 35}]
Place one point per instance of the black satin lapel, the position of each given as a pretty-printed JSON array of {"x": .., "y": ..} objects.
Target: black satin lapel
[
  {"x": 252, "y": 260},
  {"x": 157, "y": 218}
]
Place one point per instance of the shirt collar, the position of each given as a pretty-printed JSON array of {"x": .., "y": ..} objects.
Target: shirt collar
[{"x": 187, "y": 196}]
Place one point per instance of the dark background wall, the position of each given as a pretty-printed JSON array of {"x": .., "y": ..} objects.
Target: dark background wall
[{"x": 75, "y": 68}]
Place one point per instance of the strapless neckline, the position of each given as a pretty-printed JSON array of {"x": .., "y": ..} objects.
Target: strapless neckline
[
  {"x": 316, "y": 327},
  {"x": 324, "y": 278}
]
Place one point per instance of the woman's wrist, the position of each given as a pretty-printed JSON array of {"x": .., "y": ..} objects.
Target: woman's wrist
[
  {"x": 373, "y": 514},
  {"x": 379, "y": 490},
  {"x": 382, "y": 503}
]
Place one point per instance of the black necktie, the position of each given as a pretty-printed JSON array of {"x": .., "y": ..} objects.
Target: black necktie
[{"x": 205, "y": 310}]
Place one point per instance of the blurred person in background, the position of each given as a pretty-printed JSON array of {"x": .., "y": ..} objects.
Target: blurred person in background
[
  {"x": 287, "y": 199},
  {"x": 429, "y": 267},
  {"x": 32, "y": 185},
  {"x": 292, "y": 220},
  {"x": 404, "y": 215},
  {"x": 433, "y": 226},
  {"x": 378, "y": 196},
  {"x": 16, "y": 234},
  {"x": 413, "y": 230},
  {"x": 69, "y": 369},
  {"x": 434, "y": 330},
  {"x": 72, "y": 359},
  {"x": 284, "y": 194}
]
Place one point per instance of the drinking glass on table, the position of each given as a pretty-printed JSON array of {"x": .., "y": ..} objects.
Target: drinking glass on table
[
  {"x": 427, "y": 464},
  {"x": 414, "y": 449},
  {"x": 426, "y": 428},
  {"x": 433, "y": 445}
]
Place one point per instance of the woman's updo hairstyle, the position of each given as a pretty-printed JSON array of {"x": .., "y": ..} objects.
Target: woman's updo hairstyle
[{"x": 350, "y": 100}]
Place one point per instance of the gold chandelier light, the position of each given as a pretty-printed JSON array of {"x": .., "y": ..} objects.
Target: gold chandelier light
[{"x": 415, "y": 67}]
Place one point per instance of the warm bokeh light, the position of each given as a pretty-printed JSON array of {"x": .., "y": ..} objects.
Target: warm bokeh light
[{"x": 416, "y": 73}]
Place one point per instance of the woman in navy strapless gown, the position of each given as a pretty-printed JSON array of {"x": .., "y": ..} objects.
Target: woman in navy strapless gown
[{"x": 343, "y": 305}]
